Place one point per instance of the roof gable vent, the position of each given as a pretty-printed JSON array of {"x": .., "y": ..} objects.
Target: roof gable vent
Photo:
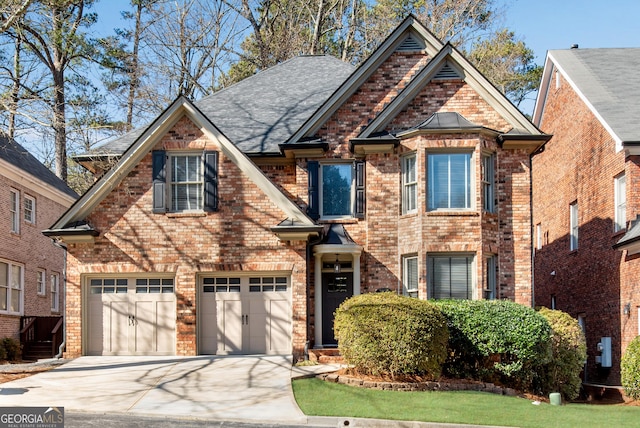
[
  {"x": 447, "y": 72},
  {"x": 411, "y": 43}
]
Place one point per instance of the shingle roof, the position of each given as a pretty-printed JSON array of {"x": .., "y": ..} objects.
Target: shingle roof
[
  {"x": 607, "y": 78},
  {"x": 265, "y": 109},
  {"x": 16, "y": 155}
]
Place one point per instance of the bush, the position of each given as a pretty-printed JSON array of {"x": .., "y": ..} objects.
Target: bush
[
  {"x": 568, "y": 354},
  {"x": 630, "y": 369},
  {"x": 10, "y": 349},
  {"x": 495, "y": 340},
  {"x": 387, "y": 334}
]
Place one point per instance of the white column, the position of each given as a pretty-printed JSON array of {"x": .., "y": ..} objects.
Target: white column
[
  {"x": 356, "y": 273},
  {"x": 318, "y": 300}
]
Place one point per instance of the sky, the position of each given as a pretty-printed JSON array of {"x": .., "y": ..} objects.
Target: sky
[{"x": 542, "y": 24}]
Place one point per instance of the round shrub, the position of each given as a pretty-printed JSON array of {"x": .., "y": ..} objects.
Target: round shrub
[
  {"x": 496, "y": 341},
  {"x": 630, "y": 369},
  {"x": 568, "y": 354},
  {"x": 387, "y": 334}
]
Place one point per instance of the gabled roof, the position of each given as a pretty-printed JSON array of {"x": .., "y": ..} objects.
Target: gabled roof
[
  {"x": 265, "y": 109},
  {"x": 18, "y": 157},
  {"x": 68, "y": 223},
  {"x": 606, "y": 80},
  {"x": 449, "y": 58},
  {"x": 410, "y": 29}
]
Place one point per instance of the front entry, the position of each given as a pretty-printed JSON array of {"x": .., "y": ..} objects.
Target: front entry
[{"x": 336, "y": 288}]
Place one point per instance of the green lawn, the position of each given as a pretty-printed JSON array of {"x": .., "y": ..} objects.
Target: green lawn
[{"x": 319, "y": 398}]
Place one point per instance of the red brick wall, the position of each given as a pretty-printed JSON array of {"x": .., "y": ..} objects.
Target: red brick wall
[
  {"x": 135, "y": 240},
  {"x": 595, "y": 281},
  {"x": 30, "y": 249}
]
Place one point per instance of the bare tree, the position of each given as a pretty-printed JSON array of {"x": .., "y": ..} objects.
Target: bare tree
[{"x": 51, "y": 32}]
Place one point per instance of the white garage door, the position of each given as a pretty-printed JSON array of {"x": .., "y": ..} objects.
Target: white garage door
[
  {"x": 245, "y": 315},
  {"x": 131, "y": 316}
]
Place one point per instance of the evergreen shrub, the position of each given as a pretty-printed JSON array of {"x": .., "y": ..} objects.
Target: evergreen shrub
[
  {"x": 388, "y": 334},
  {"x": 568, "y": 354},
  {"x": 496, "y": 341},
  {"x": 630, "y": 369}
]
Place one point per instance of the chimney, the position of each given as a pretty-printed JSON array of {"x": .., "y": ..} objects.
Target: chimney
[{"x": 574, "y": 46}]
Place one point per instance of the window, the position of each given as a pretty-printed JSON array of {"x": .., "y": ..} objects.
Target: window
[
  {"x": 488, "y": 183},
  {"x": 55, "y": 292},
  {"x": 491, "y": 272},
  {"x": 553, "y": 301},
  {"x": 11, "y": 280},
  {"x": 41, "y": 283},
  {"x": 621, "y": 203},
  {"x": 573, "y": 208},
  {"x": 184, "y": 182},
  {"x": 336, "y": 190},
  {"x": 450, "y": 277},
  {"x": 14, "y": 211},
  {"x": 449, "y": 181},
  {"x": 410, "y": 275},
  {"x": 538, "y": 236},
  {"x": 409, "y": 185},
  {"x": 29, "y": 209}
]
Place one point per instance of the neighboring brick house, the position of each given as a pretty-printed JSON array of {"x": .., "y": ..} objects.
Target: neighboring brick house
[
  {"x": 31, "y": 265},
  {"x": 585, "y": 199},
  {"x": 238, "y": 223}
]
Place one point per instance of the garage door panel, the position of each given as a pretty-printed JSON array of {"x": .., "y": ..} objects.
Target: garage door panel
[
  {"x": 279, "y": 336},
  {"x": 127, "y": 317},
  {"x": 117, "y": 327},
  {"x": 230, "y": 331},
  {"x": 252, "y": 316}
]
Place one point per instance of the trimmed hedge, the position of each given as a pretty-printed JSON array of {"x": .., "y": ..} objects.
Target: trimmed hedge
[
  {"x": 630, "y": 369},
  {"x": 569, "y": 352},
  {"x": 387, "y": 334},
  {"x": 496, "y": 341}
]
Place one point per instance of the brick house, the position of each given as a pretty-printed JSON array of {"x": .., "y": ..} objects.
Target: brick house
[
  {"x": 31, "y": 265},
  {"x": 238, "y": 223},
  {"x": 584, "y": 198}
]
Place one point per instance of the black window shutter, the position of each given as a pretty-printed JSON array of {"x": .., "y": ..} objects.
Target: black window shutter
[
  {"x": 313, "y": 209},
  {"x": 210, "y": 181},
  {"x": 159, "y": 161},
  {"x": 360, "y": 189}
]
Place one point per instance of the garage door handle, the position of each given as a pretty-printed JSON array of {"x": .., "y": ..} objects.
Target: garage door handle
[
  {"x": 132, "y": 320},
  {"x": 245, "y": 319}
]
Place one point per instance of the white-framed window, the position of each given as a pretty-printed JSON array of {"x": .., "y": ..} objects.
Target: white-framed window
[
  {"x": 337, "y": 190},
  {"x": 488, "y": 183},
  {"x": 450, "y": 276},
  {"x": 553, "y": 301},
  {"x": 573, "y": 226},
  {"x": 410, "y": 275},
  {"x": 621, "y": 203},
  {"x": 41, "y": 282},
  {"x": 29, "y": 209},
  {"x": 409, "y": 184},
  {"x": 450, "y": 180},
  {"x": 491, "y": 277},
  {"x": 11, "y": 288},
  {"x": 14, "y": 210},
  {"x": 538, "y": 236},
  {"x": 55, "y": 292},
  {"x": 186, "y": 182}
]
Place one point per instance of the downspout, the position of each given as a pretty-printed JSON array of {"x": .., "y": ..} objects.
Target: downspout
[
  {"x": 64, "y": 300},
  {"x": 533, "y": 233}
]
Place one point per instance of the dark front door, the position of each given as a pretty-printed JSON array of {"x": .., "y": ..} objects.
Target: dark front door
[{"x": 336, "y": 288}]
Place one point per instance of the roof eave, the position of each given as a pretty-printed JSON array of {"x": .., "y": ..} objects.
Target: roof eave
[
  {"x": 296, "y": 233},
  {"x": 366, "y": 146},
  {"x": 530, "y": 143},
  {"x": 304, "y": 150}
]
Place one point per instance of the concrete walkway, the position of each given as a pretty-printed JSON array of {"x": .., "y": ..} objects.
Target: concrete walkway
[{"x": 247, "y": 388}]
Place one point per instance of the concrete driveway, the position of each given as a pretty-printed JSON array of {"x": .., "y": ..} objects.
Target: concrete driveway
[{"x": 233, "y": 388}]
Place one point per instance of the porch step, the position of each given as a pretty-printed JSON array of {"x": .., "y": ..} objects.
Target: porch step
[
  {"x": 326, "y": 356},
  {"x": 37, "y": 350}
]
